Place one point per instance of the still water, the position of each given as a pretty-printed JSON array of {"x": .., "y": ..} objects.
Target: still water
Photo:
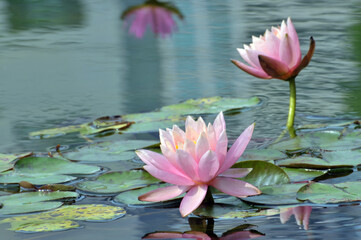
[{"x": 67, "y": 62}]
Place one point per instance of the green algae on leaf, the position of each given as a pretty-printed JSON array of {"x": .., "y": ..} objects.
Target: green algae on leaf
[
  {"x": 109, "y": 151},
  {"x": 152, "y": 121},
  {"x": 115, "y": 182},
  {"x": 263, "y": 173},
  {"x": 64, "y": 218},
  {"x": 323, "y": 193},
  {"x": 33, "y": 201},
  {"x": 45, "y": 170}
]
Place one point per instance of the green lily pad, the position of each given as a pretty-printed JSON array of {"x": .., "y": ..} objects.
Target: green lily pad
[
  {"x": 299, "y": 174},
  {"x": 152, "y": 121},
  {"x": 263, "y": 173},
  {"x": 278, "y": 195},
  {"x": 109, "y": 151},
  {"x": 323, "y": 193},
  {"x": 7, "y": 159},
  {"x": 262, "y": 154},
  {"x": 64, "y": 218},
  {"x": 336, "y": 159},
  {"x": 33, "y": 201},
  {"x": 115, "y": 182},
  {"x": 45, "y": 170}
]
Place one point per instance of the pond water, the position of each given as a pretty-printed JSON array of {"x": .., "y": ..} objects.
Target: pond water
[{"x": 69, "y": 62}]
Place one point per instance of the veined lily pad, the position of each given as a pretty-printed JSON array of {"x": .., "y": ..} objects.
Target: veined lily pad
[
  {"x": 322, "y": 193},
  {"x": 131, "y": 197},
  {"x": 115, "y": 182},
  {"x": 109, "y": 151},
  {"x": 45, "y": 170},
  {"x": 64, "y": 218},
  {"x": 263, "y": 173},
  {"x": 32, "y": 201},
  {"x": 152, "y": 121},
  {"x": 278, "y": 195}
]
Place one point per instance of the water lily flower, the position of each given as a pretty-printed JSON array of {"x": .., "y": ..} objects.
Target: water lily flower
[
  {"x": 276, "y": 54},
  {"x": 157, "y": 15},
  {"x": 302, "y": 215},
  {"x": 195, "y": 159}
]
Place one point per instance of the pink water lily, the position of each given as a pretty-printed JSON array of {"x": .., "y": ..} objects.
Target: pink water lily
[
  {"x": 157, "y": 15},
  {"x": 302, "y": 215},
  {"x": 276, "y": 54},
  {"x": 197, "y": 158}
]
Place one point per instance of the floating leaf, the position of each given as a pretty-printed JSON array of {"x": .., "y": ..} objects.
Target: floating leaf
[
  {"x": 7, "y": 159},
  {"x": 299, "y": 174},
  {"x": 115, "y": 182},
  {"x": 262, "y": 154},
  {"x": 152, "y": 121},
  {"x": 45, "y": 170},
  {"x": 322, "y": 193},
  {"x": 33, "y": 201},
  {"x": 109, "y": 151},
  {"x": 63, "y": 218},
  {"x": 276, "y": 195},
  {"x": 263, "y": 173}
]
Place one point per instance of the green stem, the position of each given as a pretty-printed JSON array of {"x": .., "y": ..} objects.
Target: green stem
[{"x": 292, "y": 108}]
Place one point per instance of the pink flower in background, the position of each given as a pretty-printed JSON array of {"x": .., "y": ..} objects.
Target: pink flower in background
[
  {"x": 302, "y": 215},
  {"x": 157, "y": 15},
  {"x": 195, "y": 159},
  {"x": 276, "y": 54}
]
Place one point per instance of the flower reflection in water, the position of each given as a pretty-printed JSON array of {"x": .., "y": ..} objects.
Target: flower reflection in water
[
  {"x": 157, "y": 15},
  {"x": 302, "y": 215},
  {"x": 202, "y": 229}
]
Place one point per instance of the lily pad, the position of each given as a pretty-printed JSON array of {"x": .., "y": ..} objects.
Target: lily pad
[
  {"x": 263, "y": 173},
  {"x": 33, "y": 201},
  {"x": 109, "y": 151},
  {"x": 278, "y": 195},
  {"x": 323, "y": 193},
  {"x": 7, "y": 159},
  {"x": 262, "y": 154},
  {"x": 64, "y": 218},
  {"x": 152, "y": 121},
  {"x": 45, "y": 170},
  {"x": 115, "y": 182},
  {"x": 300, "y": 174}
]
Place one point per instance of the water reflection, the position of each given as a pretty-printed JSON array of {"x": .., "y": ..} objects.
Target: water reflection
[
  {"x": 29, "y": 14},
  {"x": 302, "y": 215},
  {"x": 203, "y": 229}
]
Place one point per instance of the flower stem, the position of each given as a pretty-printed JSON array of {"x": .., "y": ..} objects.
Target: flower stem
[
  {"x": 292, "y": 108},
  {"x": 208, "y": 198}
]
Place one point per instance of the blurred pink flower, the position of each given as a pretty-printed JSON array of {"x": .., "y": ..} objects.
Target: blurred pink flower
[
  {"x": 195, "y": 159},
  {"x": 276, "y": 54},
  {"x": 157, "y": 15},
  {"x": 302, "y": 215}
]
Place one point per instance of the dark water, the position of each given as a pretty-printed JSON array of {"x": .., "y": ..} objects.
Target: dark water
[{"x": 67, "y": 62}]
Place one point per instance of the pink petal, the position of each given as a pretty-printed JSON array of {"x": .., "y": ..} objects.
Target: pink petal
[
  {"x": 286, "y": 51},
  {"x": 286, "y": 214},
  {"x": 295, "y": 44},
  {"x": 168, "y": 177},
  {"x": 193, "y": 198},
  {"x": 163, "y": 235},
  {"x": 234, "y": 187},
  {"x": 244, "y": 55},
  {"x": 236, "y": 172},
  {"x": 212, "y": 138},
  {"x": 208, "y": 166},
  {"x": 302, "y": 215},
  {"x": 222, "y": 146},
  {"x": 273, "y": 67},
  {"x": 201, "y": 125},
  {"x": 241, "y": 235},
  {"x": 196, "y": 235},
  {"x": 188, "y": 164},
  {"x": 237, "y": 148},
  {"x": 219, "y": 124},
  {"x": 273, "y": 44},
  {"x": 163, "y": 194},
  {"x": 253, "y": 56},
  {"x": 202, "y": 146},
  {"x": 171, "y": 156},
  {"x": 306, "y": 59},
  {"x": 156, "y": 160},
  {"x": 166, "y": 139},
  {"x": 190, "y": 148},
  {"x": 251, "y": 70}
]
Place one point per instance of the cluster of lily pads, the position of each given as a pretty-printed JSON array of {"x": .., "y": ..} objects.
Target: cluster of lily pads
[{"x": 292, "y": 172}]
